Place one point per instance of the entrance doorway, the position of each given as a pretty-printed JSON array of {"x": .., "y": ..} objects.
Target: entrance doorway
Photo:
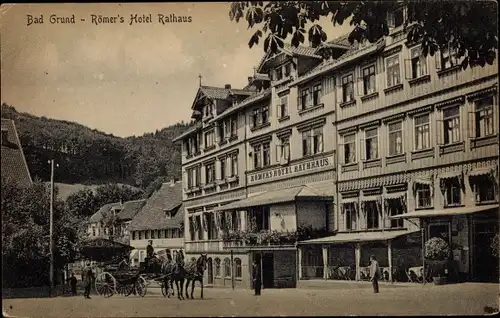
[
  {"x": 485, "y": 264},
  {"x": 268, "y": 270},
  {"x": 210, "y": 270}
]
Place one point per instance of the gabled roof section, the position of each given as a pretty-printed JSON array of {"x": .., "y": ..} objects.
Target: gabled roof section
[
  {"x": 196, "y": 126},
  {"x": 289, "y": 50},
  {"x": 14, "y": 165},
  {"x": 130, "y": 209},
  {"x": 212, "y": 92},
  {"x": 103, "y": 212},
  {"x": 152, "y": 216},
  {"x": 247, "y": 102}
]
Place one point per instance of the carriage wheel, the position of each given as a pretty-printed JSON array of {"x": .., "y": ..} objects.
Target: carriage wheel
[
  {"x": 141, "y": 286},
  {"x": 105, "y": 284},
  {"x": 125, "y": 289}
]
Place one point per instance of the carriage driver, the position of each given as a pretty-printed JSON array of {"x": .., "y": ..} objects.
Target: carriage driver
[{"x": 150, "y": 253}]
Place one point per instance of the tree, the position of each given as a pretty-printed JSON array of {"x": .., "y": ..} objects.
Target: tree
[
  {"x": 468, "y": 27},
  {"x": 81, "y": 203}
]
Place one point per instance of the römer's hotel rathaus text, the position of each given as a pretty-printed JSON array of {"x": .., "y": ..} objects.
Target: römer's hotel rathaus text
[{"x": 371, "y": 151}]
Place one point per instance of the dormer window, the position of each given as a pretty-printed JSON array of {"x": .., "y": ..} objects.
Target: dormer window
[{"x": 168, "y": 214}]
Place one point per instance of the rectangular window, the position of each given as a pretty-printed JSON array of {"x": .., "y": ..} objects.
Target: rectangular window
[
  {"x": 350, "y": 148},
  {"x": 448, "y": 58},
  {"x": 288, "y": 70},
  {"x": 418, "y": 63},
  {"x": 233, "y": 165},
  {"x": 350, "y": 216},
  {"x": 279, "y": 73},
  {"x": 316, "y": 94},
  {"x": 141, "y": 235},
  {"x": 227, "y": 127},
  {"x": 266, "y": 154},
  {"x": 369, "y": 80},
  {"x": 317, "y": 140},
  {"x": 199, "y": 226},
  {"x": 283, "y": 107},
  {"x": 393, "y": 71},
  {"x": 234, "y": 126},
  {"x": 257, "y": 157},
  {"x": 210, "y": 173},
  {"x": 485, "y": 190},
  {"x": 395, "y": 207},
  {"x": 348, "y": 88},
  {"x": 312, "y": 141},
  {"x": 453, "y": 192},
  {"x": 395, "y": 139},
  {"x": 372, "y": 220},
  {"x": 198, "y": 175},
  {"x": 484, "y": 117},
  {"x": 283, "y": 153},
  {"x": 256, "y": 118},
  {"x": 265, "y": 114},
  {"x": 209, "y": 139},
  {"x": 153, "y": 234},
  {"x": 395, "y": 18},
  {"x": 93, "y": 231},
  {"x": 371, "y": 143},
  {"x": 133, "y": 235},
  {"x": 222, "y": 169},
  {"x": 306, "y": 143},
  {"x": 422, "y": 136},
  {"x": 222, "y": 134},
  {"x": 146, "y": 234},
  {"x": 451, "y": 125},
  {"x": 423, "y": 196},
  {"x": 304, "y": 98}
]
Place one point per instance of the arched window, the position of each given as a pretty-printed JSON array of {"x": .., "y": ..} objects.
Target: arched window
[
  {"x": 237, "y": 268},
  {"x": 217, "y": 267},
  {"x": 227, "y": 267}
]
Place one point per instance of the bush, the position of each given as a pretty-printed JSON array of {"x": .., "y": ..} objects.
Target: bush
[{"x": 437, "y": 249}]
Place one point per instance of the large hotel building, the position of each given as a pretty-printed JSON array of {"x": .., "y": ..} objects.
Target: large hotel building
[{"x": 318, "y": 163}]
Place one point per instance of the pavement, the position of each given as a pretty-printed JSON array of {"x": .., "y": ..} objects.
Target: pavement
[{"x": 342, "y": 299}]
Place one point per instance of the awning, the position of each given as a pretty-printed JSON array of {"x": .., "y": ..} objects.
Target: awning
[
  {"x": 358, "y": 237},
  {"x": 395, "y": 195},
  {"x": 350, "y": 200},
  {"x": 483, "y": 171},
  {"x": 446, "y": 212},
  {"x": 423, "y": 180},
  {"x": 450, "y": 175},
  {"x": 371, "y": 198},
  {"x": 276, "y": 197}
]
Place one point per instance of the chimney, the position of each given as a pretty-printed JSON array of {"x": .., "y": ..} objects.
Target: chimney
[
  {"x": 250, "y": 80},
  {"x": 227, "y": 86},
  {"x": 5, "y": 135}
]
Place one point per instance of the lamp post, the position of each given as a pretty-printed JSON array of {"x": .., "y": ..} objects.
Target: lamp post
[{"x": 51, "y": 222}]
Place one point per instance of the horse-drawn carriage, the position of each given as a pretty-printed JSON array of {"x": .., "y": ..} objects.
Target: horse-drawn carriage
[{"x": 114, "y": 276}]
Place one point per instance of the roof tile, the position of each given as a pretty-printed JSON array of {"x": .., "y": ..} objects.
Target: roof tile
[{"x": 14, "y": 166}]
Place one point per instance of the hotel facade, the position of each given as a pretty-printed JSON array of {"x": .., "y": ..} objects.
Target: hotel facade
[{"x": 374, "y": 150}]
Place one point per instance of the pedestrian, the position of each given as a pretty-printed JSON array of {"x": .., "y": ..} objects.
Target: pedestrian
[
  {"x": 374, "y": 273},
  {"x": 256, "y": 275},
  {"x": 88, "y": 277},
  {"x": 72, "y": 282}
]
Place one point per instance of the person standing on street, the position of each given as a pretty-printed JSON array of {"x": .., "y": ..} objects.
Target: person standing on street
[
  {"x": 72, "y": 283},
  {"x": 256, "y": 275},
  {"x": 374, "y": 273},
  {"x": 89, "y": 276}
]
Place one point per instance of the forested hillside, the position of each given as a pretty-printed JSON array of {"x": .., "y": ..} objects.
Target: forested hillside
[{"x": 89, "y": 156}]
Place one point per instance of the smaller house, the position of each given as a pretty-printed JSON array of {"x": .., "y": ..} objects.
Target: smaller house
[
  {"x": 161, "y": 221},
  {"x": 14, "y": 166},
  {"x": 112, "y": 220}
]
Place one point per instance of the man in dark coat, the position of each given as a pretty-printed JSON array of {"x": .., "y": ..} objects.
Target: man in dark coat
[
  {"x": 374, "y": 273},
  {"x": 87, "y": 281},
  {"x": 256, "y": 275},
  {"x": 72, "y": 282}
]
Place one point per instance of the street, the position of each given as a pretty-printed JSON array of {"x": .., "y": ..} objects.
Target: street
[{"x": 460, "y": 299}]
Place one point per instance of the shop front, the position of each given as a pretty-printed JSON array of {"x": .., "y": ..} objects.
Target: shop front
[{"x": 469, "y": 232}]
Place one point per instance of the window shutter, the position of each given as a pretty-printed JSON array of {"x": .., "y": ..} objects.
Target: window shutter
[
  {"x": 437, "y": 59},
  {"x": 362, "y": 149},
  {"x": 472, "y": 125},
  {"x": 408, "y": 70},
  {"x": 439, "y": 132}
]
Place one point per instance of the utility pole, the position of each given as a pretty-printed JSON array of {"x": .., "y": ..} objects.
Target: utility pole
[{"x": 51, "y": 274}]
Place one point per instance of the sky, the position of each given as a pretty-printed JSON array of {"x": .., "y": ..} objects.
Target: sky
[{"x": 119, "y": 78}]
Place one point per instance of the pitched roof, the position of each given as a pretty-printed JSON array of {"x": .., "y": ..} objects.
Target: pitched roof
[
  {"x": 301, "y": 50},
  {"x": 152, "y": 215},
  {"x": 247, "y": 101},
  {"x": 223, "y": 93},
  {"x": 14, "y": 166},
  {"x": 130, "y": 209},
  {"x": 103, "y": 212}
]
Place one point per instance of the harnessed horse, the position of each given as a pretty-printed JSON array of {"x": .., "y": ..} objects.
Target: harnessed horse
[
  {"x": 194, "y": 272},
  {"x": 174, "y": 272}
]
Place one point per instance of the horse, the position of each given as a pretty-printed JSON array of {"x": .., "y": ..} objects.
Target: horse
[
  {"x": 174, "y": 272},
  {"x": 194, "y": 272}
]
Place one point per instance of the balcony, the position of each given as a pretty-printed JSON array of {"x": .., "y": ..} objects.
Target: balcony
[{"x": 269, "y": 238}]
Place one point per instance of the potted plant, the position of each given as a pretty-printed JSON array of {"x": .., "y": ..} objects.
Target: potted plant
[{"x": 437, "y": 253}]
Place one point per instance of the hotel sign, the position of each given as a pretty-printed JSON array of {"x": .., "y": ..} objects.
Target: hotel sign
[{"x": 291, "y": 170}]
